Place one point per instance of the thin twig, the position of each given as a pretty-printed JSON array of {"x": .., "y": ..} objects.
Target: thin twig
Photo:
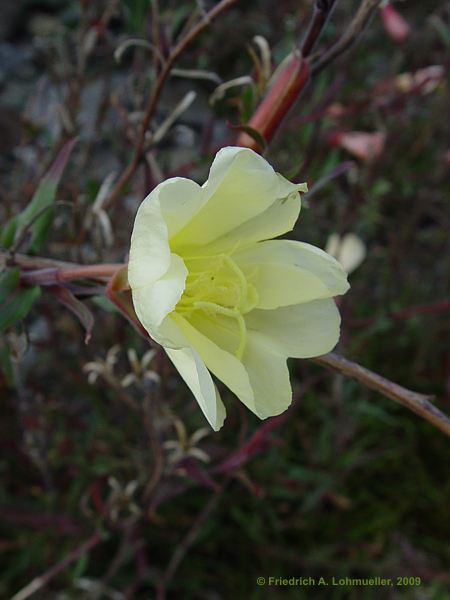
[
  {"x": 417, "y": 403},
  {"x": 46, "y": 271},
  {"x": 322, "y": 10},
  {"x": 24, "y": 261},
  {"x": 126, "y": 544},
  {"x": 360, "y": 20},
  {"x": 99, "y": 271},
  {"x": 154, "y": 96},
  {"x": 52, "y": 276},
  {"x": 188, "y": 541},
  {"x": 43, "y": 580}
]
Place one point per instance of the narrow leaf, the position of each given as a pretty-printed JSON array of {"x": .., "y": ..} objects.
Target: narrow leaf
[
  {"x": 18, "y": 308},
  {"x": 256, "y": 136},
  {"x": 193, "y": 469},
  {"x": 80, "y": 310},
  {"x": 338, "y": 170},
  {"x": 9, "y": 281},
  {"x": 8, "y": 232},
  {"x": 259, "y": 442},
  {"x": 38, "y": 216}
]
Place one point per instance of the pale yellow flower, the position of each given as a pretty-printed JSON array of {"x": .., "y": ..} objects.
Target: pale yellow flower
[{"x": 211, "y": 286}]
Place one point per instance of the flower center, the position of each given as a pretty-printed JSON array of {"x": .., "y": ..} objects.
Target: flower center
[{"x": 217, "y": 286}]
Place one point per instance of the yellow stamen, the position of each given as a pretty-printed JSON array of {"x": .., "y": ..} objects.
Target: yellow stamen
[
  {"x": 228, "y": 312},
  {"x": 221, "y": 288}
]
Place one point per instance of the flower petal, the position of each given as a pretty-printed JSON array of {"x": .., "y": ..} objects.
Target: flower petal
[
  {"x": 301, "y": 330},
  {"x": 243, "y": 204},
  {"x": 149, "y": 250},
  {"x": 276, "y": 220},
  {"x": 285, "y": 272},
  {"x": 180, "y": 200},
  {"x": 268, "y": 374},
  {"x": 161, "y": 215},
  {"x": 157, "y": 299},
  {"x": 211, "y": 340},
  {"x": 241, "y": 185},
  {"x": 260, "y": 381},
  {"x": 194, "y": 372}
]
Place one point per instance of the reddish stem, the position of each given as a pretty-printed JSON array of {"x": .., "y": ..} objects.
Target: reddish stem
[
  {"x": 421, "y": 309},
  {"x": 100, "y": 271},
  {"x": 55, "y": 275},
  {"x": 281, "y": 96},
  {"x": 321, "y": 13},
  {"x": 417, "y": 403}
]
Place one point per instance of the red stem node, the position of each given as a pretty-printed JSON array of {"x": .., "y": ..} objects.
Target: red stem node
[{"x": 281, "y": 96}]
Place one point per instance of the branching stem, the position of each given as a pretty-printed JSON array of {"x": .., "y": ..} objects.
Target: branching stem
[
  {"x": 175, "y": 53},
  {"x": 417, "y": 403},
  {"x": 37, "y": 270},
  {"x": 322, "y": 10},
  {"x": 352, "y": 33},
  {"x": 41, "y": 581}
]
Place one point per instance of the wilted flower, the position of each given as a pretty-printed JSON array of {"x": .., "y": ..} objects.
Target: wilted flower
[
  {"x": 395, "y": 25},
  {"x": 362, "y": 144},
  {"x": 425, "y": 80},
  {"x": 211, "y": 286},
  {"x": 349, "y": 250}
]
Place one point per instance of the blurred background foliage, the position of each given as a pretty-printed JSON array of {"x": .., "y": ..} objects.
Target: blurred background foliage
[{"x": 103, "y": 443}]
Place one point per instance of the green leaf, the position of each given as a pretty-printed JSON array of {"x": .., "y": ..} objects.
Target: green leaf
[
  {"x": 104, "y": 303},
  {"x": 254, "y": 134},
  {"x": 80, "y": 566},
  {"x": 441, "y": 28},
  {"x": 8, "y": 232},
  {"x": 38, "y": 216},
  {"x": 9, "y": 280},
  {"x": 18, "y": 308}
]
